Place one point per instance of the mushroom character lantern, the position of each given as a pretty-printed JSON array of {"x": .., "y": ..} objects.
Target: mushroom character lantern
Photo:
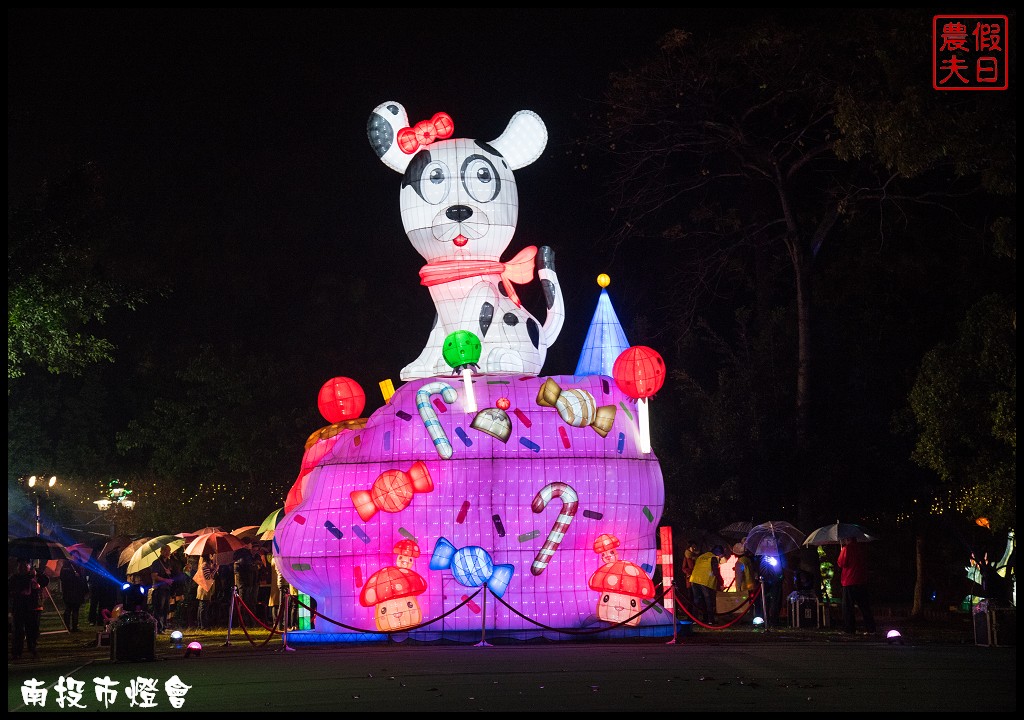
[
  {"x": 639, "y": 372},
  {"x": 406, "y": 551},
  {"x": 462, "y": 351},
  {"x": 392, "y": 592},
  {"x": 622, "y": 585},
  {"x": 605, "y": 545}
]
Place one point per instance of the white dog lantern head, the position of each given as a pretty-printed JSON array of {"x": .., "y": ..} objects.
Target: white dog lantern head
[{"x": 460, "y": 208}]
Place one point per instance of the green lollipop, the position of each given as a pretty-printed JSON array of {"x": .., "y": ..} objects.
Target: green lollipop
[
  {"x": 462, "y": 351},
  {"x": 461, "y": 348}
]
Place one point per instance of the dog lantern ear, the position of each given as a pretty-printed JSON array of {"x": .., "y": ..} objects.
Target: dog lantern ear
[
  {"x": 386, "y": 121},
  {"x": 523, "y": 140}
]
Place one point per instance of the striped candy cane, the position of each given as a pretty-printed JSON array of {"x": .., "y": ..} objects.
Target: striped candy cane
[
  {"x": 429, "y": 417},
  {"x": 570, "y": 502},
  {"x": 667, "y": 566}
]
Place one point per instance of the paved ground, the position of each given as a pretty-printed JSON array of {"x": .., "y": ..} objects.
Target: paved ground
[{"x": 782, "y": 670}]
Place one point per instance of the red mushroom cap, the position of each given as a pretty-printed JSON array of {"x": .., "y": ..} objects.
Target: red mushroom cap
[
  {"x": 408, "y": 547},
  {"x": 604, "y": 541},
  {"x": 622, "y": 577},
  {"x": 390, "y": 583}
]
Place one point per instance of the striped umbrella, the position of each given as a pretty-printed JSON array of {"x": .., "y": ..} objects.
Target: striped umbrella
[{"x": 222, "y": 544}]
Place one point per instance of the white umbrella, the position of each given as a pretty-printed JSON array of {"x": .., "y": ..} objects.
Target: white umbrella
[
  {"x": 837, "y": 532},
  {"x": 775, "y": 537}
]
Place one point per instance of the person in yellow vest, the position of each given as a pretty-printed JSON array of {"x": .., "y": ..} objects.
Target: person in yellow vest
[{"x": 706, "y": 581}]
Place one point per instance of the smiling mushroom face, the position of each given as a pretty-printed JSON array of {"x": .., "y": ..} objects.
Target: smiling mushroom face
[{"x": 622, "y": 585}]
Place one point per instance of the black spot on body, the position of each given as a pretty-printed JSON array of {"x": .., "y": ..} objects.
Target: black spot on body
[
  {"x": 549, "y": 292},
  {"x": 534, "y": 331},
  {"x": 501, "y": 290},
  {"x": 486, "y": 316},
  {"x": 414, "y": 172},
  {"x": 510, "y": 319}
]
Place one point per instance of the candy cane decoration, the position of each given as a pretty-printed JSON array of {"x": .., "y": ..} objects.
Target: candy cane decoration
[
  {"x": 570, "y": 502},
  {"x": 429, "y": 417}
]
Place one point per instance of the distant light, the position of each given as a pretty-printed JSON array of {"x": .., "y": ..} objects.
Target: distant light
[
  {"x": 103, "y": 504},
  {"x": 893, "y": 637},
  {"x": 142, "y": 590},
  {"x": 128, "y": 504},
  {"x": 759, "y": 621},
  {"x": 771, "y": 560},
  {"x": 32, "y": 481},
  {"x": 125, "y": 586},
  {"x": 53, "y": 480},
  {"x": 176, "y": 635}
]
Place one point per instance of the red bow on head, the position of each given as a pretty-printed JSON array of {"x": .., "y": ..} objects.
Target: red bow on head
[{"x": 439, "y": 127}]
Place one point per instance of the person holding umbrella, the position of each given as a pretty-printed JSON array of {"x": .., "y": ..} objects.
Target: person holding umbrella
[
  {"x": 73, "y": 589},
  {"x": 24, "y": 589},
  {"x": 162, "y": 572},
  {"x": 206, "y": 581},
  {"x": 853, "y": 565}
]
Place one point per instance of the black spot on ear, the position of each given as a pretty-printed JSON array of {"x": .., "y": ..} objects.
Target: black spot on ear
[
  {"x": 510, "y": 319},
  {"x": 533, "y": 330},
  {"x": 486, "y": 316},
  {"x": 393, "y": 109},
  {"x": 380, "y": 134}
]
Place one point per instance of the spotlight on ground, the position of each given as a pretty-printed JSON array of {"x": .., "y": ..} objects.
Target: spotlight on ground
[
  {"x": 893, "y": 637},
  {"x": 177, "y": 639},
  {"x": 758, "y": 623},
  {"x": 194, "y": 648}
]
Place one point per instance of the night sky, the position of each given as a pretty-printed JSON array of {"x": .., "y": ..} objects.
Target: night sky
[{"x": 233, "y": 144}]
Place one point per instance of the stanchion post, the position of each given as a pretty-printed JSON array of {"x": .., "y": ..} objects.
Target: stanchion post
[
  {"x": 231, "y": 613},
  {"x": 483, "y": 621},
  {"x": 286, "y": 609}
]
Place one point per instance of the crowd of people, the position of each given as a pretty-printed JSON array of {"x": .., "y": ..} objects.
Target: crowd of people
[
  {"x": 180, "y": 592},
  {"x": 771, "y": 579}
]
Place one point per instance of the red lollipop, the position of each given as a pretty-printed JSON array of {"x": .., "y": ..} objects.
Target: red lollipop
[
  {"x": 639, "y": 371},
  {"x": 340, "y": 399}
]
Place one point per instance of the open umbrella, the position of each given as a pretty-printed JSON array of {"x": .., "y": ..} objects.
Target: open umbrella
[
  {"x": 247, "y": 532},
  {"x": 128, "y": 550},
  {"x": 737, "y": 530},
  {"x": 36, "y": 547},
  {"x": 221, "y": 544},
  {"x": 79, "y": 552},
  {"x": 113, "y": 547},
  {"x": 836, "y": 532},
  {"x": 147, "y": 553},
  {"x": 269, "y": 524},
  {"x": 775, "y": 537}
]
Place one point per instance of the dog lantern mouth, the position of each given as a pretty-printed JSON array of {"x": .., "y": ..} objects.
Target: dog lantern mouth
[{"x": 460, "y": 240}]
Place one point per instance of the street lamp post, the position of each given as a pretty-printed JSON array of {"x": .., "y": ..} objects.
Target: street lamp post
[
  {"x": 36, "y": 485},
  {"x": 117, "y": 497}
]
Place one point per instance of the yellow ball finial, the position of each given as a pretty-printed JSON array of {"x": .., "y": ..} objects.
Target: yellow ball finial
[{"x": 603, "y": 280}]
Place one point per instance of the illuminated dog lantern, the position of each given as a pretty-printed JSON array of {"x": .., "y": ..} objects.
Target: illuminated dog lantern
[{"x": 460, "y": 208}]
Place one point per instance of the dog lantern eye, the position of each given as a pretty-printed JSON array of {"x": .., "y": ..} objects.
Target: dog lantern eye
[
  {"x": 480, "y": 178},
  {"x": 435, "y": 183}
]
